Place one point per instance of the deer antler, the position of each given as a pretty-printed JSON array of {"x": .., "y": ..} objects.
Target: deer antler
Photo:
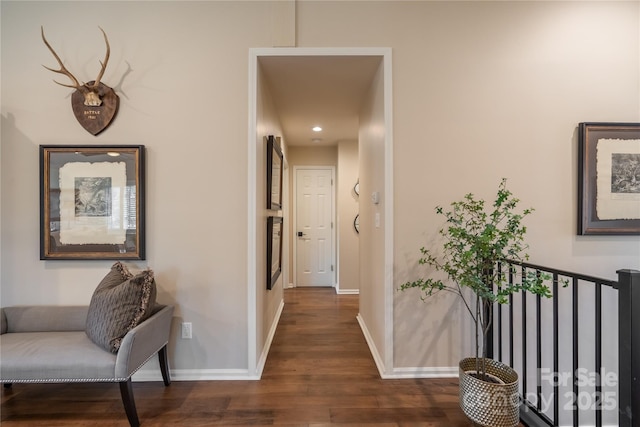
[
  {"x": 91, "y": 92},
  {"x": 63, "y": 70},
  {"x": 103, "y": 63}
]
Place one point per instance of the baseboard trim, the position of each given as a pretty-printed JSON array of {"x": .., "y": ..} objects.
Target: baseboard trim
[
  {"x": 196, "y": 375},
  {"x": 243, "y": 374},
  {"x": 403, "y": 373},
  {"x": 426, "y": 372},
  {"x": 372, "y": 347},
  {"x": 347, "y": 291},
  {"x": 267, "y": 344},
  {"x": 214, "y": 374}
]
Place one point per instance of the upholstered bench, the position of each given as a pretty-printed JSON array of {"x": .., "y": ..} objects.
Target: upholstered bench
[{"x": 60, "y": 344}]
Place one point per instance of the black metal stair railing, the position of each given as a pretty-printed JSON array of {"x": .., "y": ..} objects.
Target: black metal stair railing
[{"x": 549, "y": 394}]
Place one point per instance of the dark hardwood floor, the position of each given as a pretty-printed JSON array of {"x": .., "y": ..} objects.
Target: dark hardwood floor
[{"x": 319, "y": 372}]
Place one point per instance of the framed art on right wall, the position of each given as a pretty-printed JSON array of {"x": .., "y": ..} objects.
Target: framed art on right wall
[{"x": 609, "y": 179}]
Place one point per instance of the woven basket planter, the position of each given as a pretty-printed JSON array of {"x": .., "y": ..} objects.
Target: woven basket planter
[{"x": 489, "y": 404}]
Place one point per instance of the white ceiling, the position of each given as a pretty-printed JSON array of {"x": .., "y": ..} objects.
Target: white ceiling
[{"x": 324, "y": 91}]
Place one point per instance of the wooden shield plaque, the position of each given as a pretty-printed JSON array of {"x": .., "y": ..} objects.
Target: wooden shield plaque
[{"x": 95, "y": 119}]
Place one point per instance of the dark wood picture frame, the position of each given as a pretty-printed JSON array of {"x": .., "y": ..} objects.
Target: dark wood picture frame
[
  {"x": 274, "y": 173},
  {"x": 605, "y": 163},
  {"x": 92, "y": 202},
  {"x": 274, "y": 249}
]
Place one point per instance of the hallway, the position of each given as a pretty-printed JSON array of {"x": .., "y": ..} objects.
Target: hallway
[
  {"x": 319, "y": 372},
  {"x": 321, "y": 357}
]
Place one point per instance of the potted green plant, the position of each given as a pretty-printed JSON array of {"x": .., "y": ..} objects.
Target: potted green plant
[{"x": 477, "y": 237}]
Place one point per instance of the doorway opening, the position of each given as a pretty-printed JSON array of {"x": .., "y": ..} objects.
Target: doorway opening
[{"x": 275, "y": 76}]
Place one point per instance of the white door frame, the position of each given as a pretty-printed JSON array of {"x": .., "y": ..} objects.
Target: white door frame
[
  {"x": 253, "y": 370},
  {"x": 294, "y": 209}
]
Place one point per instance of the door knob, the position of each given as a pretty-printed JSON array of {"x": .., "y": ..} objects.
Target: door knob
[{"x": 300, "y": 234}]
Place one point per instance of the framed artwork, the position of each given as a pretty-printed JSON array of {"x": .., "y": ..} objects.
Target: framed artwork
[
  {"x": 274, "y": 249},
  {"x": 274, "y": 173},
  {"x": 92, "y": 202},
  {"x": 609, "y": 179}
]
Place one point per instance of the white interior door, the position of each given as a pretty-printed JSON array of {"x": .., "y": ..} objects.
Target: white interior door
[{"x": 314, "y": 227}]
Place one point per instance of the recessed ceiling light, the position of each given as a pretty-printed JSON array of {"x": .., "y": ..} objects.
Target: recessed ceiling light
[
  {"x": 316, "y": 140},
  {"x": 316, "y": 129}
]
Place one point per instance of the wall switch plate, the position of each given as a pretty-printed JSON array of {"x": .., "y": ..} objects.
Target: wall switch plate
[
  {"x": 186, "y": 330},
  {"x": 375, "y": 197}
]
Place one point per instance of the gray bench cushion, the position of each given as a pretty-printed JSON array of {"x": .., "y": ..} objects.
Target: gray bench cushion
[
  {"x": 44, "y": 318},
  {"x": 65, "y": 357}
]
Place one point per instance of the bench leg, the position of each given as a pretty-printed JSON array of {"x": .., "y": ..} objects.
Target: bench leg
[
  {"x": 126, "y": 390},
  {"x": 164, "y": 365}
]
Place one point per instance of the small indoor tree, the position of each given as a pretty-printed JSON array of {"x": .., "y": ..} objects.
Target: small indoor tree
[{"x": 475, "y": 240}]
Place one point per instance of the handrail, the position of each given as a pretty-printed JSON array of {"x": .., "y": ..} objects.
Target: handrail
[
  {"x": 579, "y": 276},
  {"x": 581, "y": 285}
]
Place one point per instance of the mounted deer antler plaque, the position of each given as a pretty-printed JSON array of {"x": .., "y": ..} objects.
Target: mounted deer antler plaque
[{"x": 94, "y": 103}]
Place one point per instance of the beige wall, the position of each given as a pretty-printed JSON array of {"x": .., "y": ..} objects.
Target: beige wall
[
  {"x": 485, "y": 90},
  {"x": 348, "y": 202},
  {"x": 372, "y": 231},
  {"x": 312, "y": 156},
  {"x": 481, "y": 91},
  {"x": 268, "y": 302},
  {"x": 183, "y": 93}
]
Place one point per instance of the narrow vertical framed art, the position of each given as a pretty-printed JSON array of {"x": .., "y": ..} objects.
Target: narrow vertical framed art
[
  {"x": 609, "y": 179},
  {"x": 274, "y": 173},
  {"x": 274, "y": 249},
  {"x": 92, "y": 202}
]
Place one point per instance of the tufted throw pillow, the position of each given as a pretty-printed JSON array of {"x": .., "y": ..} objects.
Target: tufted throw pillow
[{"x": 120, "y": 303}]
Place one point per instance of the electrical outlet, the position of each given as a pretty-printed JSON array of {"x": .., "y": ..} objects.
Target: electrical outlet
[{"x": 186, "y": 330}]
